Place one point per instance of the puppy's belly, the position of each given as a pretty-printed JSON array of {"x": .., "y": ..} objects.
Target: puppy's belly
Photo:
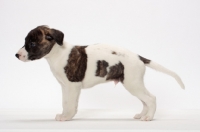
[{"x": 90, "y": 82}]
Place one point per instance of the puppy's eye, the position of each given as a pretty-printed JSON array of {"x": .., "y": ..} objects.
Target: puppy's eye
[
  {"x": 33, "y": 44},
  {"x": 48, "y": 37}
]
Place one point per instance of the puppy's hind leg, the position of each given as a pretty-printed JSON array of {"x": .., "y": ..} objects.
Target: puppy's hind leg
[
  {"x": 143, "y": 112},
  {"x": 149, "y": 101}
]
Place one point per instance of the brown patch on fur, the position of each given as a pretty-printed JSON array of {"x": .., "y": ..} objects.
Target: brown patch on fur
[
  {"x": 101, "y": 68},
  {"x": 43, "y": 44},
  {"x": 76, "y": 64},
  {"x": 114, "y": 53},
  {"x": 116, "y": 72},
  {"x": 144, "y": 60},
  {"x": 57, "y": 35}
]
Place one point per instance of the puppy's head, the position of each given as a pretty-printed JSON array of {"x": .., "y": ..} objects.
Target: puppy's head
[{"x": 39, "y": 43}]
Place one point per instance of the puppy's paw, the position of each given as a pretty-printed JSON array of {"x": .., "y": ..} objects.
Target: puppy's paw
[
  {"x": 137, "y": 116},
  {"x": 61, "y": 117},
  {"x": 146, "y": 118}
]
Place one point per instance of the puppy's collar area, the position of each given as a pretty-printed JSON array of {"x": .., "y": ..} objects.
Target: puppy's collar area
[{"x": 56, "y": 50}]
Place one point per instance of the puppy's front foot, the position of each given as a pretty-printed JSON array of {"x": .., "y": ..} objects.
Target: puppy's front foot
[
  {"x": 61, "y": 117},
  {"x": 146, "y": 118},
  {"x": 137, "y": 116}
]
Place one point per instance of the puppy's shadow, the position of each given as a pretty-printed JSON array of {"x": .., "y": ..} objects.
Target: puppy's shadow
[
  {"x": 75, "y": 120},
  {"x": 31, "y": 120},
  {"x": 104, "y": 119}
]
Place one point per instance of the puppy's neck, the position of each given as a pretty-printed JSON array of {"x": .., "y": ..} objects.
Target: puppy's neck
[{"x": 57, "y": 52}]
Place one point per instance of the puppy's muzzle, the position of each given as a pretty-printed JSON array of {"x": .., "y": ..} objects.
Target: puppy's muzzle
[{"x": 22, "y": 55}]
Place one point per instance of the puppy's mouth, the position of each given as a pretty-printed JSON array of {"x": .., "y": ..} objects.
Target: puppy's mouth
[
  {"x": 35, "y": 57},
  {"x": 32, "y": 59}
]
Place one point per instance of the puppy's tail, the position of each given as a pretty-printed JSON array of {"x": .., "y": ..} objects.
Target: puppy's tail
[{"x": 160, "y": 68}]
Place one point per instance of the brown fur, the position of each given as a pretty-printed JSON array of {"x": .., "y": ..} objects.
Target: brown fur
[
  {"x": 101, "y": 68},
  {"x": 116, "y": 72},
  {"x": 43, "y": 46},
  {"x": 144, "y": 60},
  {"x": 76, "y": 64},
  {"x": 114, "y": 53}
]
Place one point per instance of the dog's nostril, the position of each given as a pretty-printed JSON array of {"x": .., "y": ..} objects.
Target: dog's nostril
[{"x": 17, "y": 55}]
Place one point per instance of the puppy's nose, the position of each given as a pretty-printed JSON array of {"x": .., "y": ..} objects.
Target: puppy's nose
[{"x": 17, "y": 55}]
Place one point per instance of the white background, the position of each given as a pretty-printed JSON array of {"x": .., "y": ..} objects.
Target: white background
[{"x": 167, "y": 32}]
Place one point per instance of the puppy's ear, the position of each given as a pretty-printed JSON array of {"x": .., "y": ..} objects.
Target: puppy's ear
[{"x": 58, "y": 36}]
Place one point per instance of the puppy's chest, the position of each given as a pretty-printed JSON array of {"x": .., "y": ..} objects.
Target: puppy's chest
[
  {"x": 58, "y": 72},
  {"x": 70, "y": 65}
]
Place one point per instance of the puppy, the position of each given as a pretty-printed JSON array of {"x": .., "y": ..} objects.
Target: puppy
[{"x": 79, "y": 67}]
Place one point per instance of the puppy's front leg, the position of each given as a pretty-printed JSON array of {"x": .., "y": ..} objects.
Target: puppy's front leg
[{"x": 70, "y": 101}]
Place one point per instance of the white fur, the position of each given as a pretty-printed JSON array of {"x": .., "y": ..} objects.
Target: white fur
[
  {"x": 23, "y": 54},
  {"x": 160, "y": 68},
  {"x": 134, "y": 70}
]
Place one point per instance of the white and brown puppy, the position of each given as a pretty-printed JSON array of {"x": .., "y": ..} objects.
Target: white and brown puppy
[{"x": 79, "y": 67}]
